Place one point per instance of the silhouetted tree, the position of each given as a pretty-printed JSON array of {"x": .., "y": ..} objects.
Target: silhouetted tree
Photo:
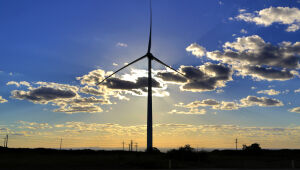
[
  {"x": 185, "y": 152},
  {"x": 252, "y": 147},
  {"x": 154, "y": 150},
  {"x": 186, "y": 148}
]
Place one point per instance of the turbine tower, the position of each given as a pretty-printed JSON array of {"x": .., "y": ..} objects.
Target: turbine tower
[{"x": 150, "y": 57}]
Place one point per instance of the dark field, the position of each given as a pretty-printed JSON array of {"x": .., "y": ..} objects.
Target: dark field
[{"x": 89, "y": 159}]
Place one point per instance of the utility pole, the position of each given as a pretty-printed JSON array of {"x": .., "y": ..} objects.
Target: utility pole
[
  {"x": 131, "y": 144},
  {"x": 129, "y": 147},
  {"x": 136, "y": 146},
  {"x": 6, "y": 141},
  {"x": 60, "y": 143},
  {"x": 123, "y": 145},
  {"x": 236, "y": 142}
]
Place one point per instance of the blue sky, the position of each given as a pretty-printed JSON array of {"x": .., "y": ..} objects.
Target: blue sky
[{"x": 57, "y": 41}]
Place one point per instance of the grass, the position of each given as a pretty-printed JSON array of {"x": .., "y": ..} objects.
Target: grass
[{"x": 89, "y": 159}]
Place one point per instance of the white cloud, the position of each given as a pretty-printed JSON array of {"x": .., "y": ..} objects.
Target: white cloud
[
  {"x": 285, "y": 91},
  {"x": 2, "y": 100},
  {"x": 219, "y": 91},
  {"x": 120, "y": 44},
  {"x": 293, "y": 27},
  {"x": 243, "y": 31},
  {"x": 79, "y": 108},
  {"x": 296, "y": 110},
  {"x": 18, "y": 84},
  {"x": 13, "y": 83},
  {"x": 266, "y": 17},
  {"x": 297, "y": 91},
  {"x": 225, "y": 105},
  {"x": 242, "y": 10},
  {"x": 135, "y": 83},
  {"x": 212, "y": 103},
  {"x": 196, "y": 50},
  {"x": 75, "y": 133},
  {"x": 114, "y": 64},
  {"x": 270, "y": 92},
  {"x": 192, "y": 111},
  {"x": 34, "y": 125}
]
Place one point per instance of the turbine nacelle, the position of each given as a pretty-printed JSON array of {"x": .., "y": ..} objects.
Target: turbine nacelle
[{"x": 150, "y": 56}]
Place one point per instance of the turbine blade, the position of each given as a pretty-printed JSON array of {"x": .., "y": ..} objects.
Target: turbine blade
[
  {"x": 150, "y": 34},
  {"x": 122, "y": 68},
  {"x": 156, "y": 59}
]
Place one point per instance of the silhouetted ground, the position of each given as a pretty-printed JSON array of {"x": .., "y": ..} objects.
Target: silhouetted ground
[{"x": 89, "y": 159}]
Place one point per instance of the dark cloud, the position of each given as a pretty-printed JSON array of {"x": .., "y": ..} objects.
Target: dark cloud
[
  {"x": 43, "y": 94},
  {"x": 192, "y": 72},
  {"x": 203, "y": 85},
  {"x": 221, "y": 72},
  {"x": 207, "y": 77},
  {"x": 268, "y": 55},
  {"x": 202, "y": 78},
  {"x": 141, "y": 82},
  {"x": 135, "y": 83},
  {"x": 89, "y": 100},
  {"x": 260, "y": 101},
  {"x": 171, "y": 77},
  {"x": 268, "y": 73},
  {"x": 252, "y": 56},
  {"x": 67, "y": 100}
]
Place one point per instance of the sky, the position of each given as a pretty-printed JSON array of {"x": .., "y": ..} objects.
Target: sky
[{"x": 240, "y": 60}]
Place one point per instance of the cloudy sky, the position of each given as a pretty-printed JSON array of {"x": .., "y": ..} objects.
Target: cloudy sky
[{"x": 241, "y": 58}]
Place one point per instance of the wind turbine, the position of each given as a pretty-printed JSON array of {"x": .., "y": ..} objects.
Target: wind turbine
[{"x": 150, "y": 57}]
